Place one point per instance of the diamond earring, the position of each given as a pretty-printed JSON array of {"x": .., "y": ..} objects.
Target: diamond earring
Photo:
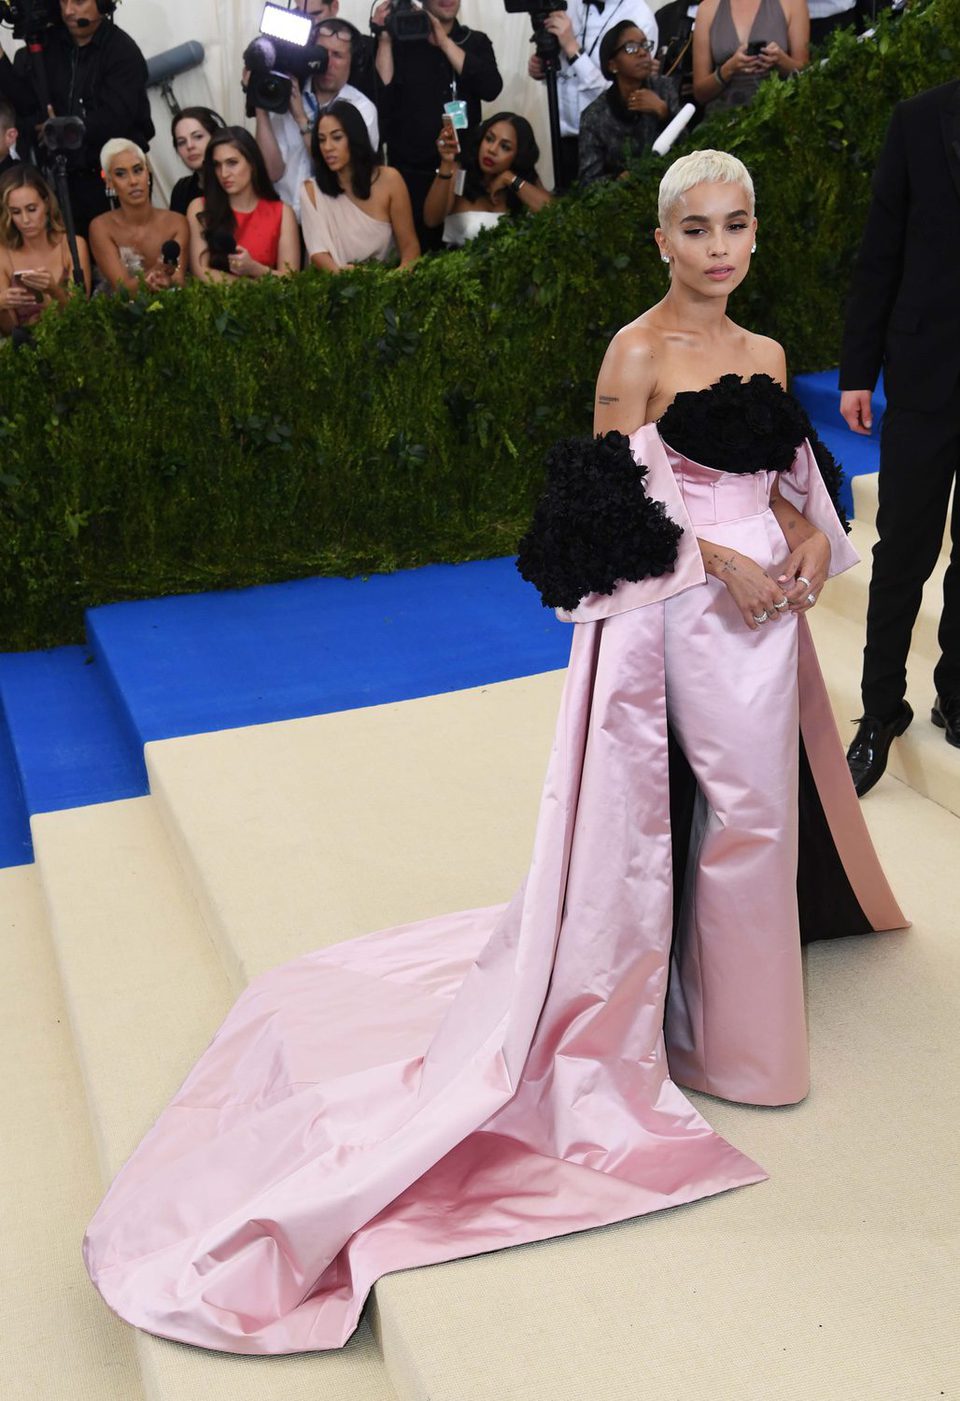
[
  {"x": 111, "y": 192},
  {"x": 664, "y": 258},
  {"x": 754, "y": 248}
]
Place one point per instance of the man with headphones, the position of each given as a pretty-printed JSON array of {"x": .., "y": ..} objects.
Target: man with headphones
[{"x": 93, "y": 71}]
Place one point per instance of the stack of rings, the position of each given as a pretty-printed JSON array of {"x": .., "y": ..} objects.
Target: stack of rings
[{"x": 764, "y": 616}]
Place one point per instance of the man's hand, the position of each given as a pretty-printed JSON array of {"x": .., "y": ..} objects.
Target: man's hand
[
  {"x": 558, "y": 23},
  {"x": 856, "y": 410},
  {"x": 535, "y": 67},
  {"x": 380, "y": 16},
  {"x": 296, "y": 103}
]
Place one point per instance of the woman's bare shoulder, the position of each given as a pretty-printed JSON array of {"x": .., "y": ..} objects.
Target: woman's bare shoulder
[
  {"x": 636, "y": 343},
  {"x": 769, "y": 356}
]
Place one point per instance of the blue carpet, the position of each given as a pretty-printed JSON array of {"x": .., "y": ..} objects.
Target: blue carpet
[
  {"x": 63, "y": 726},
  {"x": 820, "y": 396},
  {"x": 16, "y": 847},
  {"x": 214, "y": 661}
]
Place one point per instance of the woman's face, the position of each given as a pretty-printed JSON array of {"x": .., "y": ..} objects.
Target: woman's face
[
  {"x": 334, "y": 144},
  {"x": 708, "y": 238},
  {"x": 232, "y": 169},
  {"x": 190, "y": 141},
  {"x": 632, "y": 67},
  {"x": 28, "y": 211},
  {"x": 498, "y": 149},
  {"x": 130, "y": 178}
]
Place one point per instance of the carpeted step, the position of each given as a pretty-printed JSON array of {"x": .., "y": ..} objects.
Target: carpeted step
[
  {"x": 921, "y": 758},
  {"x": 16, "y": 848},
  {"x": 306, "y": 832},
  {"x": 58, "y": 1339},
  {"x": 145, "y": 991}
]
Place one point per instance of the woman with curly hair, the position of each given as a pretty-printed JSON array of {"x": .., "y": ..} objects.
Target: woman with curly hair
[
  {"x": 512, "y": 1073},
  {"x": 36, "y": 270},
  {"x": 240, "y": 227},
  {"x": 498, "y": 176}
]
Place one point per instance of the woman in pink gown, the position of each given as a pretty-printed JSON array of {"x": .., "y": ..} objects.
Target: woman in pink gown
[{"x": 508, "y": 1074}]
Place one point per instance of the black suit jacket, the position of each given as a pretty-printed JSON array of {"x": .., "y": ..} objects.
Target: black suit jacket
[{"x": 904, "y": 307}]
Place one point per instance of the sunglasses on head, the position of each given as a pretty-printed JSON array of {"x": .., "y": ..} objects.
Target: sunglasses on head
[{"x": 634, "y": 46}]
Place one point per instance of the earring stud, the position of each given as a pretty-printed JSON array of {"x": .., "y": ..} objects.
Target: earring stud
[
  {"x": 664, "y": 258},
  {"x": 754, "y": 248}
]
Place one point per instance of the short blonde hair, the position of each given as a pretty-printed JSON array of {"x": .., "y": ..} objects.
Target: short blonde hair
[
  {"x": 696, "y": 169},
  {"x": 112, "y": 149}
]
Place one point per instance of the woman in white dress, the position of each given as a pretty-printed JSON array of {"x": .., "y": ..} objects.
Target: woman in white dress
[
  {"x": 495, "y": 175},
  {"x": 356, "y": 210}
]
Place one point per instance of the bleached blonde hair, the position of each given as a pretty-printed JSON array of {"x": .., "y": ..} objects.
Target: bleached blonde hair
[
  {"x": 111, "y": 149},
  {"x": 696, "y": 169}
]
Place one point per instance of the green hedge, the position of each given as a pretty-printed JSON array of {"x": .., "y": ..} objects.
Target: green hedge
[{"x": 381, "y": 419}]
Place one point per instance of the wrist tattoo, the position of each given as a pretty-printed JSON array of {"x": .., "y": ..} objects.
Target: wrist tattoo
[{"x": 607, "y": 399}]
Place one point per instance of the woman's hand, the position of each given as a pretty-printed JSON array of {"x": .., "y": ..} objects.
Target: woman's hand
[
  {"x": 243, "y": 265},
  {"x": 772, "y": 56},
  {"x": 501, "y": 183},
  {"x": 646, "y": 100},
  {"x": 740, "y": 62},
  {"x": 760, "y": 599},
  {"x": 14, "y": 298},
  {"x": 37, "y": 279},
  {"x": 160, "y": 276},
  {"x": 447, "y": 148},
  {"x": 804, "y": 572}
]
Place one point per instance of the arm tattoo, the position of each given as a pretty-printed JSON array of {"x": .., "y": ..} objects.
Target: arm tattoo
[{"x": 607, "y": 399}]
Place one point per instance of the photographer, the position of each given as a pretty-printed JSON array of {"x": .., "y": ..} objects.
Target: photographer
[
  {"x": 285, "y": 137},
  {"x": 94, "y": 71},
  {"x": 418, "y": 77},
  {"x": 579, "y": 31}
]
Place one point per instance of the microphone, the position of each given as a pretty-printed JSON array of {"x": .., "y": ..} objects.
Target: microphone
[
  {"x": 164, "y": 67},
  {"x": 170, "y": 254},
  {"x": 81, "y": 24},
  {"x": 670, "y": 133}
]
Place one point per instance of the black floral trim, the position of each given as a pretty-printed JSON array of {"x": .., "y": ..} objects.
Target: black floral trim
[
  {"x": 594, "y": 525},
  {"x": 747, "y": 426},
  {"x": 736, "y": 425}
]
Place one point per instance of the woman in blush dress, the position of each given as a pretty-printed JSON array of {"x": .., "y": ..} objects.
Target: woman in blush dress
[
  {"x": 357, "y": 210},
  {"x": 240, "y": 227},
  {"x": 499, "y": 169},
  {"x": 509, "y": 1074}
]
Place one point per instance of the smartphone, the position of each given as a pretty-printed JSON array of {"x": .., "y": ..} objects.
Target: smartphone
[
  {"x": 755, "y": 47},
  {"x": 18, "y": 280},
  {"x": 450, "y": 130}
]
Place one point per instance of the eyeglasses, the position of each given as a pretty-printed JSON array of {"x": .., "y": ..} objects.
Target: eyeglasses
[{"x": 634, "y": 46}]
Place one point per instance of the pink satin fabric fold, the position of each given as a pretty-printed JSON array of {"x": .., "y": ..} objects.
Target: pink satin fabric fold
[{"x": 500, "y": 1075}]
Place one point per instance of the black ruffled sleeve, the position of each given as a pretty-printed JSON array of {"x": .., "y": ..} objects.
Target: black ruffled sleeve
[
  {"x": 594, "y": 525},
  {"x": 830, "y": 470}
]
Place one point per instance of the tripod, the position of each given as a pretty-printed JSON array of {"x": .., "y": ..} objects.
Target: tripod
[{"x": 66, "y": 209}]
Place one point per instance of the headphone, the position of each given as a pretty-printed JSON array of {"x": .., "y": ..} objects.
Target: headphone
[{"x": 106, "y": 7}]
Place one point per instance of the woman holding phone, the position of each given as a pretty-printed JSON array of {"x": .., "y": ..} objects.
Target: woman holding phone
[
  {"x": 739, "y": 43},
  {"x": 35, "y": 265},
  {"x": 499, "y": 169}
]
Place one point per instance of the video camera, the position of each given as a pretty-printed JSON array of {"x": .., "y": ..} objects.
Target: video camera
[
  {"x": 407, "y": 21},
  {"x": 547, "y": 45},
  {"x": 280, "y": 52},
  {"x": 29, "y": 19}
]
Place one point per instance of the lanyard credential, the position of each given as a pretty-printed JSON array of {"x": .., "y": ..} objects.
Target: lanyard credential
[{"x": 603, "y": 28}]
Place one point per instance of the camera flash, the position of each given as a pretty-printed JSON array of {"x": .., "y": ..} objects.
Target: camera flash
[{"x": 286, "y": 24}]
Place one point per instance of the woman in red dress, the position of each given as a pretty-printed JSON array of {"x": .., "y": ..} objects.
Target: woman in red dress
[{"x": 240, "y": 228}]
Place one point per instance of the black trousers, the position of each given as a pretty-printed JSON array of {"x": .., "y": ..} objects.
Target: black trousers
[{"x": 919, "y": 458}]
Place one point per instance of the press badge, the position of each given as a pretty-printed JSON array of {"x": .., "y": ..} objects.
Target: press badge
[{"x": 458, "y": 111}]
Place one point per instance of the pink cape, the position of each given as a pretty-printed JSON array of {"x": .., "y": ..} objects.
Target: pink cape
[{"x": 501, "y": 1075}]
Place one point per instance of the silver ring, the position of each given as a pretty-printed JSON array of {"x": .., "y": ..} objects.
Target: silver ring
[
  {"x": 811, "y": 598},
  {"x": 761, "y": 617},
  {"x": 802, "y": 580},
  {"x": 781, "y": 605}
]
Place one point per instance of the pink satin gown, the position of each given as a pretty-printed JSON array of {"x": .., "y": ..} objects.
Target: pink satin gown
[{"x": 509, "y": 1074}]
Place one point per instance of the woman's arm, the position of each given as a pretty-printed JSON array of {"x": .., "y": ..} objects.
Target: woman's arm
[
  {"x": 288, "y": 254},
  {"x": 400, "y": 213},
  {"x": 161, "y": 276},
  {"x": 531, "y": 196},
  {"x": 627, "y": 382},
  {"x": 709, "y": 81},
  {"x": 107, "y": 256},
  {"x": 12, "y": 296},
  {"x": 442, "y": 193}
]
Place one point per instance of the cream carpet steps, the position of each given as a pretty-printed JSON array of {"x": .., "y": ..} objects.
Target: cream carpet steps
[
  {"x": 58, "y": 1341},
  {"x": 832, "y": 1280},
  {"x": 145, "y": 990}
]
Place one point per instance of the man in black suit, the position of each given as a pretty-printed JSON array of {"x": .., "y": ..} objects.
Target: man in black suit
[{"x": 904, "y": 314}]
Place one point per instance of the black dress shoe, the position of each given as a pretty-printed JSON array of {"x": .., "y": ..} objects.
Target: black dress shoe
[
  {"x": 946, "y": 715},
  {"x": 867, "y": 755}
]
